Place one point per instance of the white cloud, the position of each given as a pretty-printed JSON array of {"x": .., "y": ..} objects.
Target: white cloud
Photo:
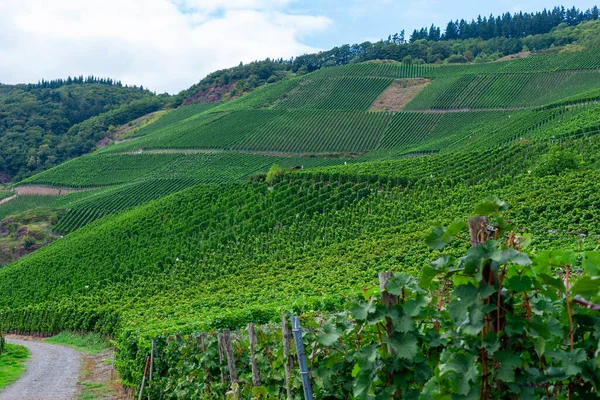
[{"x": 164, "y": 45}]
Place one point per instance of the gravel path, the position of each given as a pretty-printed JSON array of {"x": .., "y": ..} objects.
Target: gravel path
[{"x": 52, "y": 373}]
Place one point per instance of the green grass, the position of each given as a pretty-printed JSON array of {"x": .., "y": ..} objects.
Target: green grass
[
  {"x": 93, "y": 391},
  {"x": 12, "y": 364},
  {"x": 91, "y": 343}
]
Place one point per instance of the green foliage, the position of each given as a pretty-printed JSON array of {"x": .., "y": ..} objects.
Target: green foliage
[
  {"x": 274, "y": 174},
  {"x": 34, "y": 122},
  {"x": 480, "y": 337},
  {"x": 555, "y": 162}
]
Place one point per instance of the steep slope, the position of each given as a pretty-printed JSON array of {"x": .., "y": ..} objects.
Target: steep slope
[{"x": 181, "y": 233}]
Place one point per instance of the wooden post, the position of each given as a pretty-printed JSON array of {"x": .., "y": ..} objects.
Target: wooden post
[
  {"x": 478, "y": 230},
  {"x": 388, "y": 301},
  {"x": 255, "y": 371},
  {"x": 230, "y": 358},
  {"x": 479, "y": 234},
  {"x": 221, "y": 357},
  {"x": 289, "y": 361}
]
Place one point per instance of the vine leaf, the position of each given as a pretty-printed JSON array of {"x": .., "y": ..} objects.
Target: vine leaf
[{"x": 404, "y": 344}]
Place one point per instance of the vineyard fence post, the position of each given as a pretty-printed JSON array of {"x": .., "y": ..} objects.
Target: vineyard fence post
[
  {"x": 221, "y": 357},
  {"x": 230, "y": 358},
  {"x": 255, "y": 371},
  {"x": 288, "y": 363},
  {"x": 151, "y": 367},
  {"x": 389, "y": 301},
  {"x": 144, "y": 379},
  {"x": 304, "y": 372}
]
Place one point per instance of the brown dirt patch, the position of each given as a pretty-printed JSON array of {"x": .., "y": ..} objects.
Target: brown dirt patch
[
  {"x": 398, "y": 94},
  {"x": 123, "y": 129},
  {"x": 43, "y": 191},
  {"x": 509, "y": 57},
  {"x": 212, "y": 94},
  {"x": 98, "y": 379}
]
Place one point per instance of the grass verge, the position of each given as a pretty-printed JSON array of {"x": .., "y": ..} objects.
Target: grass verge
[
  {"x": 12, "y": 364},
  {"x": 91, "y": 343}
]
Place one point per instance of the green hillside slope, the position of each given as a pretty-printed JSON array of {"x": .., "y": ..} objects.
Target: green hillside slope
[{"x": 181, "y": 232}]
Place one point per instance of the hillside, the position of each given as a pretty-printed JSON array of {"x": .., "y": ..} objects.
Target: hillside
[
  {"x": 480, "y": 41},
  {"x": 38, "y": 122},
  {"x": 187, "y": 225}
]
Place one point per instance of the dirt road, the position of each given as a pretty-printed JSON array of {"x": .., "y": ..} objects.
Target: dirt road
[{"x": 52, "y": 373}]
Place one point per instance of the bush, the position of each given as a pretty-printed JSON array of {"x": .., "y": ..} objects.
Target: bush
[
  {"x": 556, "y": 162},
  {"x": 457, "y": 59}
]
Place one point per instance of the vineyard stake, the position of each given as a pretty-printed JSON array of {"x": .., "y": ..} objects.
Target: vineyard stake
[
  {"x": 288, "y": 364},
  {"x": 144, "y": 378},
  {"x": 255, "y": 371},
  {"x": 389, "y": 302},
  {"x": 304, "y": 372},
  {"x": 151, "y": 366},
  {"x": 221, "y": 356},
  {"x": 230, "y": 359}
]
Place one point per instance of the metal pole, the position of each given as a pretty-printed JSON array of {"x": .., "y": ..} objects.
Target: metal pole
[
  {"x": 144, "y": 378},
  {"x": 304, "y": 372}
]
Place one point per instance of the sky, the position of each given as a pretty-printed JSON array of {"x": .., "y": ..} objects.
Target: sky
[{"x": 168, "y": 45}]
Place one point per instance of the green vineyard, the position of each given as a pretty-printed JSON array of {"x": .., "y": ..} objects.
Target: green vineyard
[
  {"x": 293, "y": 197},
  {"x": 379, "y": 69},
  {"x": 504, "y": 90},
  {"x": 339, "y": 93}
]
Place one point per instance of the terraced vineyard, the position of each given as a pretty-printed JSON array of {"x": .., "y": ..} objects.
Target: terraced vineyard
[
  {"x": 183, "y": 233},
  {"x": 339, "y": 93},
  {"x": 570, "y": 61},
  {"x": 297, "y": 245},
  {"x": 172, "y": 117},
  {"x": 318, "y": 132},
  {"x": 503, "y": 90},
  {"x": 379, "y": 69}
]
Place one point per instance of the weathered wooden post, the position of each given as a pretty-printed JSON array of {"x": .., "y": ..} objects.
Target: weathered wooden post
[
  {"x": 289, "y": 361},
  {"x": 255, "y": 371},
  {"x": 304, "y": 372},
  {"x": 221, "y": 357},
  {"x": 230, "y": 358},
  {"x": 389, "y": 301}
]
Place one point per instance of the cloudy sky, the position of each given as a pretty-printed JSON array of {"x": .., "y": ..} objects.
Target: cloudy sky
[{"x": 168, "y": 45}]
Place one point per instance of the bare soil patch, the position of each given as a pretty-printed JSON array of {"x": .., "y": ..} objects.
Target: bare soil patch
[
  {"x": 509, "y": 57},
  {"x": 123, "y": 129},
  {"x": 210, "y": 95},
  {"x": 98, "y": 379},
  {"x": 43, "y": 191},
  {"x": 399, "y": 93}
]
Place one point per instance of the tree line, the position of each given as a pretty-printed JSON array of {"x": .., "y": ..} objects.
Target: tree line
[
  {"x": 507, "y": 25},
  {"x": 78, "y": 80}
]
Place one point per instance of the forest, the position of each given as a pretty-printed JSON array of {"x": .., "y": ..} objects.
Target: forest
[{"x": 36, "y": 120}]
